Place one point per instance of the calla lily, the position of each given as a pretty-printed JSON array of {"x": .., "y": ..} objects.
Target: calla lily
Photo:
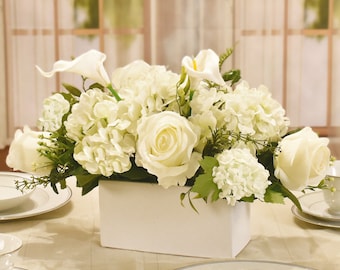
[
  {"x": 204, "y": 66},
  {"x": 89, "y": 65}
]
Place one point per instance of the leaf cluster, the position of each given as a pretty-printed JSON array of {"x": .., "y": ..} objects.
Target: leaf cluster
[{"x": 232, "y": 75}]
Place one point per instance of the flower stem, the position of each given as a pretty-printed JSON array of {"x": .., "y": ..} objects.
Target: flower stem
[{"x": 114, "y": 92}]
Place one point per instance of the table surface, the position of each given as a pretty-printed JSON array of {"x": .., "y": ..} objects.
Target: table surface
[{"x": 69, "y": 238}]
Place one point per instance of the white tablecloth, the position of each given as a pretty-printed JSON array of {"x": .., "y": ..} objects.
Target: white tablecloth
[{"x": 68, "y": 238}]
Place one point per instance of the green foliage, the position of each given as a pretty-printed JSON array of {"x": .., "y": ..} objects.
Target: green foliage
[
  {"x": 204, "y": 185},
  {"x": 224, "y": 56},
  {"x": 233, "y": 75},
  {"x": 276, "y": 192},
  {"x": 88, "y": 182},
  {"x": 72, "y": 90},
  {"x": 184, "y": 94}
]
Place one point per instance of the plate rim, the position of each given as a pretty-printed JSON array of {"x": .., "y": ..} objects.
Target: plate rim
[
  {"x": 64, "y": 197},
  {"x": 236, "y": 261},
  {"x": 8, "y": 235},
  {"x": 308, "y": 211},
  {"x": 313, "y": 220}
]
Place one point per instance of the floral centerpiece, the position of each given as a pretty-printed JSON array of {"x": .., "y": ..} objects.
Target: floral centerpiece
[{"x": 203, "y": 128}]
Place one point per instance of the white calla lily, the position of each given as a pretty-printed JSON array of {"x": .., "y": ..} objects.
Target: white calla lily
[
  {"x": 204, "y": 66},
  {"x": 88, "y": 64}
]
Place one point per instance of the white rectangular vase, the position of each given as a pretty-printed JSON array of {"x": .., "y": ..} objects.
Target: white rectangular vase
[{"x": 147, "y": 217}]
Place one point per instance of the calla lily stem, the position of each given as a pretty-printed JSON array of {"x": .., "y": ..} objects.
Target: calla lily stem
[{"x": 114, "y": 92}]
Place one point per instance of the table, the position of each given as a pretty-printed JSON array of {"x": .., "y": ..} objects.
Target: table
[{"x": 68, "y": 238}]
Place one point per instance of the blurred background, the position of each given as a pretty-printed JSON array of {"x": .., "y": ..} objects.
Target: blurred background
[{"x": 291, "y": 46}]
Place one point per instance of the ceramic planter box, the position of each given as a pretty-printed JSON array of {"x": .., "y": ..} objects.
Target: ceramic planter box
[{"x": 147, "y": 217}]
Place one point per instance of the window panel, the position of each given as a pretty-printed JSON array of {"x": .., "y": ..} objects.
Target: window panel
[
  {"x": 72, "y": 46},
  {"x": 124, "y": 14},
  {"x": 86, "y": 14},
  {"x": 316, "y": 14},
  {"x": 336, "y": 14},
  {"x": 313, "y": 106},
  {"x": 121, "y": 50},
  {"x": 307, "y": 75},
  {"x": 67, "y": 18},
  {"x": 295, "y": 14},
  {"x": 335, "y": 98}
]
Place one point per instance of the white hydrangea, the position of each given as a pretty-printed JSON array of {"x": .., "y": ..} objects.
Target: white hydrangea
[
  {"x": 83, "y": 120},
  {"x": 54, "y": 108},
  {"x": 100, "y": 127},
  {"x": 206, "y": 110},
  {"x": 106, "y": 152},
  {"x": 151, "y": 86},
  {"x": 239, "y": 175},
  {"x": 254, "y": 112}
]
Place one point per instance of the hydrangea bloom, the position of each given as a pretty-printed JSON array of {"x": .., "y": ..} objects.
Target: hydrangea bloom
[
  {"x": 239, "y": 175},
  {"x": 54, "y": 108},
  {"x": 254, "y": 112},
  {"x": 152, "y": 87},
  {"x": 99, "y": 128}
]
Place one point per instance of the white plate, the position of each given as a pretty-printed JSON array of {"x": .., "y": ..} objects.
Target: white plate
[
  {"x": 42, "y": 200},
  {"x": 9, "y": 243},
  {"x": 314, "y": 204},
  {"x": 244, "y": 265},
  {"x": 313, "y": 220},
  {"x": 10, "y": 196}
]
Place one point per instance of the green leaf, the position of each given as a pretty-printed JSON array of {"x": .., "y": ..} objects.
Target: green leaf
[
  {"x": 83, "y": 180},
  {"x": 276, "y": 192},
  {"x": 204, "y": 187},
  {"x": 136, "y": 173},
  {"x": 224, "y": 56},
  {"x": 73, "y": 90},
  {"x": 248, "y": 199},
  {"x": 233, "y": 75},
  {"x": 182, "y": 196},
  {"x": 274, "y": 197},
  {"x": 88, "y": 182},
  {"x": 96, "y": 86},
  {"x": 208, "y": 163}
]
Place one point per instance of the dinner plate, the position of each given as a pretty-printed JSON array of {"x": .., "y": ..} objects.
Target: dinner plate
[
  {"x": 42, "y": 200},
  {"x": 314, "y": 204},
  {"x": 314, "y": 220},
  {"x": 9, "y": 243},
  {"x": 10, "y": 196},
  {"x": 244, "y": 265}
]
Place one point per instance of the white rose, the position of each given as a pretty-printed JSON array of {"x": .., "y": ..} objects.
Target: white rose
[
  {"x": 23, "y": 153},
  {"x": 165, "y": 147},
  {"x": 302, "y": 159},
  {"x": 54, "y": 108}
]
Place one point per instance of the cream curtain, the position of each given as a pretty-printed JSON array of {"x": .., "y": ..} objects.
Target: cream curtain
[
  {"x": 29, "y": 42},
  {"x": 268, "y": 36},
  {"x": 292, "y": 47},
  {"x": 182, "y": 28}
]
